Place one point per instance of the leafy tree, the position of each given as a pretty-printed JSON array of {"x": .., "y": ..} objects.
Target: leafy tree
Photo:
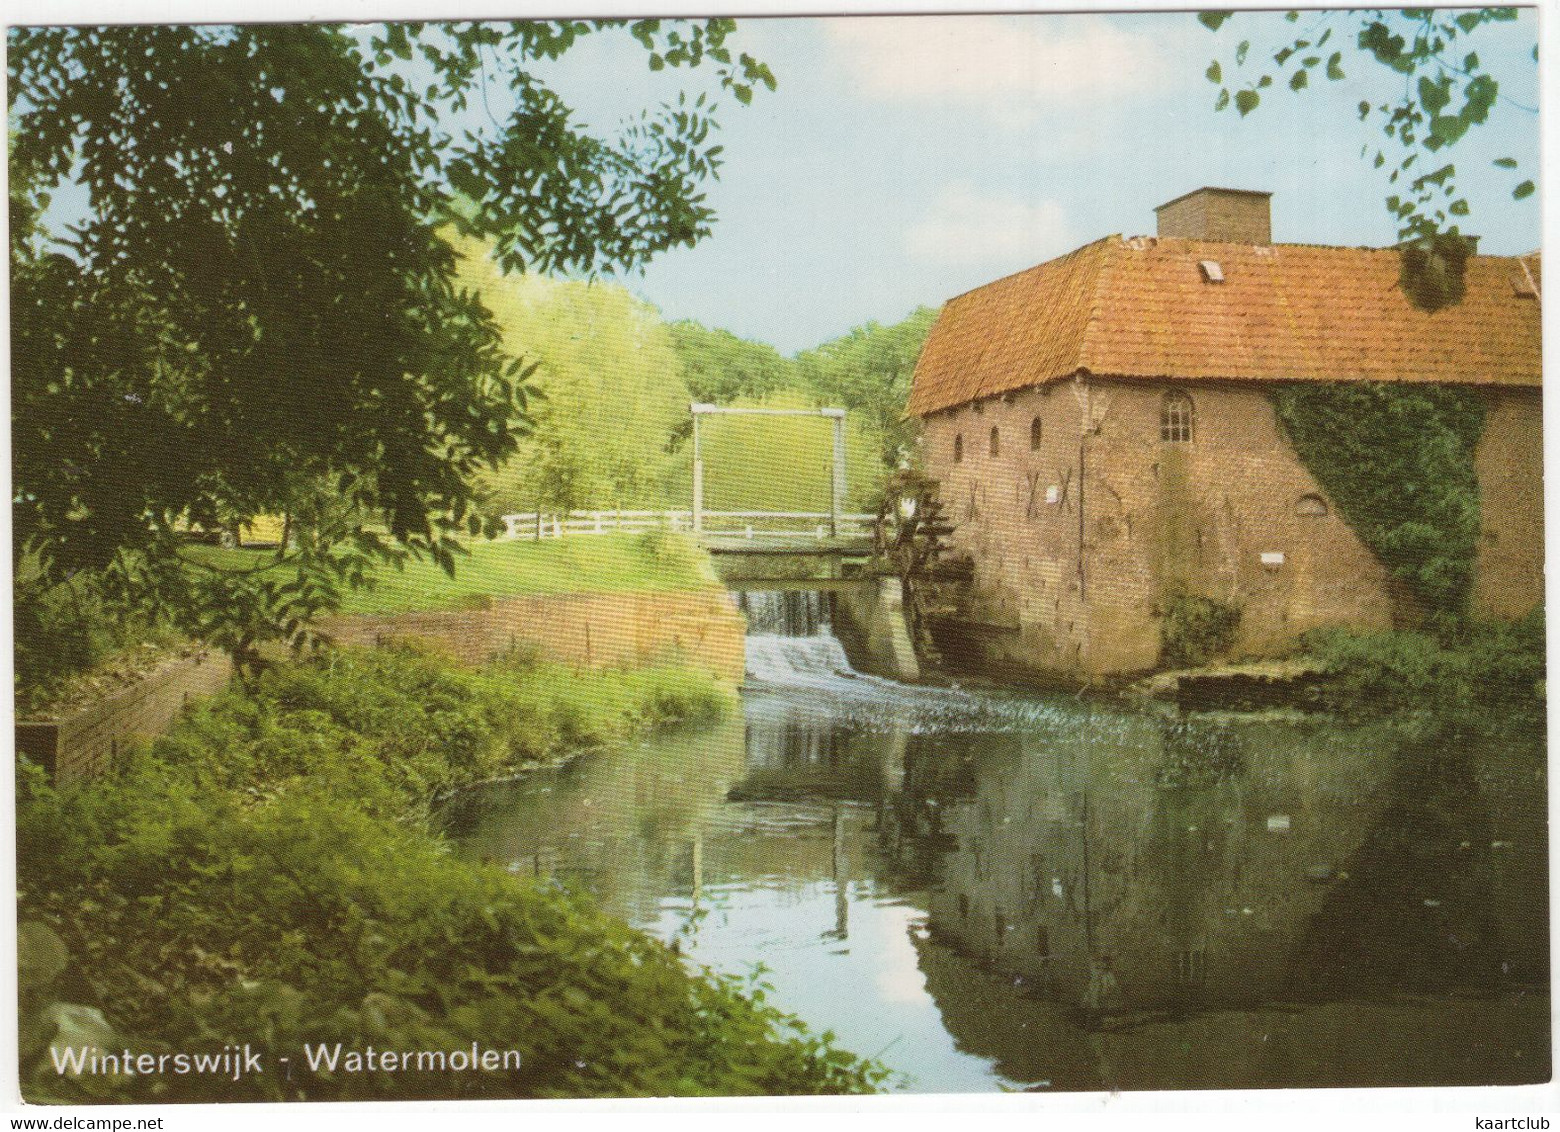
[
  {"x": 720, "y": 368},
  {"x": 1447, "y": 91},
  {"x": 257, "y": 306},
  {"x": 610, "y": 391},
  {"x": 868, "y": 371}
]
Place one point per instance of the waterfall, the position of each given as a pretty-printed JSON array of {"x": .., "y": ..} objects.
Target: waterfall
[
  {"x": 790, "y": 639},
  {"x": 786, "y": 613}
]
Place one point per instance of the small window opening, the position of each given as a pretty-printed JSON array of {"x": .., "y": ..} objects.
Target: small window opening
[
  {"x": 958, "y": 447},
  {"x": 1175, "y": 418},
  {"x": 964, "y": 906},
  {"x": 1313, "y": 505},
  {"x": 1211, "y": 271},
  {"x": 1034, "y": 435},
  {"x": 1042, "y": 941},
  {"x": 996, "y": 442}
]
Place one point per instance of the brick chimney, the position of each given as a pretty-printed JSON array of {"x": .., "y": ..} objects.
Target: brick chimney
[{"x": 1232, "y": 216}]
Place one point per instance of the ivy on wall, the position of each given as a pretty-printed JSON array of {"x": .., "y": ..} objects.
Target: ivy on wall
[{"x": 1397, "y": 459}]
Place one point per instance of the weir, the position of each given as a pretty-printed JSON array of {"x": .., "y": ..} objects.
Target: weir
[
  {"x": 790, "y": 638},
  {"x": 811, "y": 636}
]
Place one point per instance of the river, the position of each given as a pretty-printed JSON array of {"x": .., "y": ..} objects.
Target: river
[{"x": 1000, "y": 891}]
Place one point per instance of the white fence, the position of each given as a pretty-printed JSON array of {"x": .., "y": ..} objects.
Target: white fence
[{"x": 717, "y": 524}]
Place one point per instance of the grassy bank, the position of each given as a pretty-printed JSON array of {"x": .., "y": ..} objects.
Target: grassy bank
[
  {"x": 71, "y": 645},
  {"x": 268, "y": 874},
  {"x": 581, "y": 564},
  {"x": 605, "y": 563}
]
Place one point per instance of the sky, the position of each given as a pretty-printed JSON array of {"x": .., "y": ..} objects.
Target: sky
[{"x": 904, "y": 159}]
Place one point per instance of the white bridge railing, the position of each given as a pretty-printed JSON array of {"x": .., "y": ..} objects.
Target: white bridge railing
[{"x": 718, "y": 524}]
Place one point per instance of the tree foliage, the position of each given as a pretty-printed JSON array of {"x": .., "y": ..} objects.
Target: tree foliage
[
  {"x": 609, "y": 394},
  {"x": 1447, "y": 91},
  {"x": 258, "y": 312},
  {"x": 721, "y": 368},
  {"x": 867, "y": 370},
  {"x": 1398, "y": 461}
]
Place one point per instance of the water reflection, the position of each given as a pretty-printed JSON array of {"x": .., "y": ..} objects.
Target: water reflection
[{"x": 1023, "y": 893}]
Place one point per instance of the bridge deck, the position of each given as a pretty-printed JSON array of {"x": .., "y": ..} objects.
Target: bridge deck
[{"x": 770, "y": 545}]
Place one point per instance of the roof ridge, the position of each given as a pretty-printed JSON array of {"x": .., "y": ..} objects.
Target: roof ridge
[
  {"x": 1079, "y": 250},
  {"x": 1111, "y": 256},
  {"x": 1341, "y": 248}
]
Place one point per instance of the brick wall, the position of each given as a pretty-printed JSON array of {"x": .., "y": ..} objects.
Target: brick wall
[
  {"x": 1023, "y": 604},
  {"x": 1162, "y": 517},
  {"x": 1510, "y": 463},
  {"x": 1216, "y": 214},
  {"x": 700, "y": 628},
  {"x": 87, "y": 742}
]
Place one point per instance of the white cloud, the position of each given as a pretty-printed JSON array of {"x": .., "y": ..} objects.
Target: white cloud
[
  {"x": 967, "y": 228},
  {"x": 1009, "y": 67}
]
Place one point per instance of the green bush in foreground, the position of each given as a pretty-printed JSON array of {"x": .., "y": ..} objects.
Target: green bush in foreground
[
  {"x": 264, "y": 875},
  {"x": 403, "y": 725}
]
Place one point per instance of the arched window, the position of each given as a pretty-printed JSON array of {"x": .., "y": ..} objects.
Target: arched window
[
  {"x": 1312, "y": 505},
  {"x": 996, "y": 442},
  {"x": 1175, "y": 418},
  {"x": 1034, "y": 435},
  {"x": 958, "y": 447}
]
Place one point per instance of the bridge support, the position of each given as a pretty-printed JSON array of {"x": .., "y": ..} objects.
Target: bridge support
[
  {"x": 873, "y": 611},
  {"x": 698, "y": 480},
  {"x": 837, "y": 475}
]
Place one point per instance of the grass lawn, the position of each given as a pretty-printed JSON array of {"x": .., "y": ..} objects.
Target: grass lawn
[{"x": 578, "y": 564}]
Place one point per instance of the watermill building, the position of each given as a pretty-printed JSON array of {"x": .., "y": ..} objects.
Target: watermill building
[{"x": 1104, "y": 434}]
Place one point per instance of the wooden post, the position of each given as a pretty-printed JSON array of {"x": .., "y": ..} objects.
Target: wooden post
[
  {"x": 698, "y": 481},
  {"x": 837, "y": 477}
]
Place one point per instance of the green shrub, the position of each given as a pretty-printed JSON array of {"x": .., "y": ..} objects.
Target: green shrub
[
  {"x": 63, "y": 631},
  {"x": 263, "y": 875},
  {"x": 1195, "y": 629},
  {"x": 1487, "y": 664},
  {"x": 415, "y": 724},
  {"x": 194, "y": 921}
]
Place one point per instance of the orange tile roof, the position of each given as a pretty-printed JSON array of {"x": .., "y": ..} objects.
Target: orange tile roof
[{"x": 1140, "y": 308}]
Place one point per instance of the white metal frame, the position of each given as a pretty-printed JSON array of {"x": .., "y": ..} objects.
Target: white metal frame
[
  {"x": 836, "y": 470},
  {"x": 730, "y": 524}
]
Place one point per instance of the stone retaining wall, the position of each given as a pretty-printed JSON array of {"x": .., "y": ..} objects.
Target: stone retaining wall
[
  {"x": 701, "y": 628},
  {"x": 86, "y": 742}
]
